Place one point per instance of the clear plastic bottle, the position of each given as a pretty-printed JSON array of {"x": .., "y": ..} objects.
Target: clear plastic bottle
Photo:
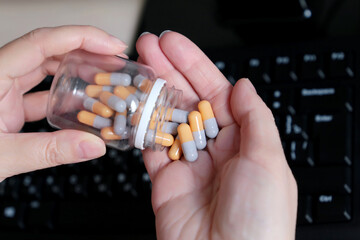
[{"x": 77, "y": 78}]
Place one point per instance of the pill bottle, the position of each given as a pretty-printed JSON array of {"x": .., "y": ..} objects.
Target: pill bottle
[{"x": 78, "y": 88}]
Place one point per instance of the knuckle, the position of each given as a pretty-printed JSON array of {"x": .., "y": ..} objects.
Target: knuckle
[
  {"x": 52, "y": 153},
  {"x": 34, "y": 35}
]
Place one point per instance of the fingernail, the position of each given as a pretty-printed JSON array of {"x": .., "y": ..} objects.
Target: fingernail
[
  {"x": 144, "y": 33},
  {"x": 162, "y": 34},
  {"x": 250, "y": 85},
  {"x": 117, "y": 41},
  {"x": 89, "y": 149}
]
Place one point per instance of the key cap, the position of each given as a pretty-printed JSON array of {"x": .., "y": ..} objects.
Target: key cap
[
  {"x": 12, "y": 214},
  {"x": 335, "y": 180},
  {"x": 257, "y": 70},
  {"x": 300, "y": 153},
  {"x": 305, "y": 209},
  {"x": 39, "y": 215},
  {"x": 311, "y": 67},
  {"x": 333, "y": 208},
  {"x": 53, "y": 187},
  {"x": 296, "y": 127},
  {"x": 332, "y": 138},
  {"x": 283, "y": 69},
  {"x": 324, "y": 99},
  {"x": 341, "y": 65}
]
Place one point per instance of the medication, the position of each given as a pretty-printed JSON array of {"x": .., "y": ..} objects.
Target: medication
[
  {"x": 93, "y": 120},
  {"x": 113, "y": 78},
  {"x": 161, "y": 138},
  {"x": 120, "y": 122},
  {"x": 95, "y": 90},
  {"x": 207, "y": 114},
  {"x": 188, "y": 145},
  {"x": 197, "y": 129},
  {"x": 97, "y": 107},
  {"x": 113, "y": 101},
  {"x": 131, "y": 100},
  {"x": 175, "y": 151},
  {"x": 177, "y": 115},
  {"x": 107, "y": 133},
  {"x": 141, "y": 82},
  {"x": 133, "y": 90},
  {"x": 167, "y": 127}
]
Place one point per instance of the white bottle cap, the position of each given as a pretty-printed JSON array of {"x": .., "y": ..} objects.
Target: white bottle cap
[{"x": 147, "y": 112}]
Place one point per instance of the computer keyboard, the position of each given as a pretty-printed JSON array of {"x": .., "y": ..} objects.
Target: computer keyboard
[{"x": 310, "y": 87}]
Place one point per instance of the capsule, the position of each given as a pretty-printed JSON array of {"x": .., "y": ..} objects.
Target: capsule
[
  {"x": 95, "y": 90},
  {"x": 176, "y": 115},
  {"x": 197, "y": 129},
  {"x": 175, "y": 151},
  {"x": 108, "y": 133},
  {"x": 167, "y": 127},
  {"x": 134, "y": 91},
  {"x": 207, "y": 114},
  {"x": 131, "y": 101},
  {"x": 113, "y": 101},
  {"x": 113, "y": 78},
  {"x": 141, "y": 82},
  {"x": 161, "y": 138},
  {"x": 120, "y": 122},
  {"x": 93, "y": 120},
  {"x": 188, "y": 145},
  {"x": 97, "y": 107}
]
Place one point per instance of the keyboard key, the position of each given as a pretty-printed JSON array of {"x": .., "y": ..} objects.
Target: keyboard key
[
  {"x": 39, "y": 215},
  {"x": 12, "y": 214},
  {"x": 304, "y": 214},
  {"x": 333, "y": 208},
  {"x": 283, "y": 69},
  {"x": 311, "y": 67},
  {"x": 336, "y": 180},
  {"x": 341, "y": 65},
  {"x": 257, "y": 70},
  {"x": 324, "y": 100},
  {"x": 300, "y": 153}
]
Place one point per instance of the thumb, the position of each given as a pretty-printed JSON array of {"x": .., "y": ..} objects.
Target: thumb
[
  {"x": 260, "y": 139},
  {"x": 25, "y": 152}
]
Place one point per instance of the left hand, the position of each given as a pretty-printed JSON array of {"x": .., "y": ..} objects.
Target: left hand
[{"x": 24, "y": 63}]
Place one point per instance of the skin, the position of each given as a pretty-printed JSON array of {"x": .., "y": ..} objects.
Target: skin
[
  {"x": 241, "y": 186},
  {"x": 24, "y": 63}
]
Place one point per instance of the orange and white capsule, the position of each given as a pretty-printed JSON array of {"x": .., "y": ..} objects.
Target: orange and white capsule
[
  {"x": 175, "y": 151},
  {"x": 131, "y": 101},
  {"x": 107, "y": 133},
  {"x": 161, "y": 138},
  {"x": 188, "y": 145},
  {"x": 167, "y": 127},
  {"x": 134, "y": 91},
  {"x": 97, "y": 107},
  {"x": 197, "y": 129},
  {"x": 113, "y": 78},
  {"x": 95, "y": 90},
  {"x": 113, "y": 101},
  {"x": 207, "y": 114},
  {"x": 93, "y": 120},
  {"x": 120, "y": 122},
  {"x": 141, "y": 82}
]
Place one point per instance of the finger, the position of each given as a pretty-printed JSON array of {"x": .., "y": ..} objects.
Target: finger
[
  {"x": 25, "y": 54},
  {"x": 259, "y": 135},
  {"x": 30, "y": 80},
  {"x": 205, "y": 78},
  {"x": 25, "y": 152},
  {"x": 154, "y": 161},
  {"x": 151, "y": 54},
  {"x": 35, "y": 105}
]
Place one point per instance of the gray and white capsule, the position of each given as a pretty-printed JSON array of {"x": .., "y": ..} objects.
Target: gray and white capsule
[
  {"x": 113, "y": 78},
  {"x": 170, "y": 127},
  {"x": 113, "y": 101},
  {"x": 188, "y": 145}
]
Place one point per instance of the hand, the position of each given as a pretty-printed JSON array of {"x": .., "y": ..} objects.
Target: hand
[
  {"x": 241, "y": 186},
  {"x": 24, "y": 63}
]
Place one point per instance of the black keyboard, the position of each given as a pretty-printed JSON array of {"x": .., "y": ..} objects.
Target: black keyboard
[{"x": 311, "y": 89}]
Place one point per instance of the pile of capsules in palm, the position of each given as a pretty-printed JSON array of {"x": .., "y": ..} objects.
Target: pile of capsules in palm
[{"x": 127, "y": 106}]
